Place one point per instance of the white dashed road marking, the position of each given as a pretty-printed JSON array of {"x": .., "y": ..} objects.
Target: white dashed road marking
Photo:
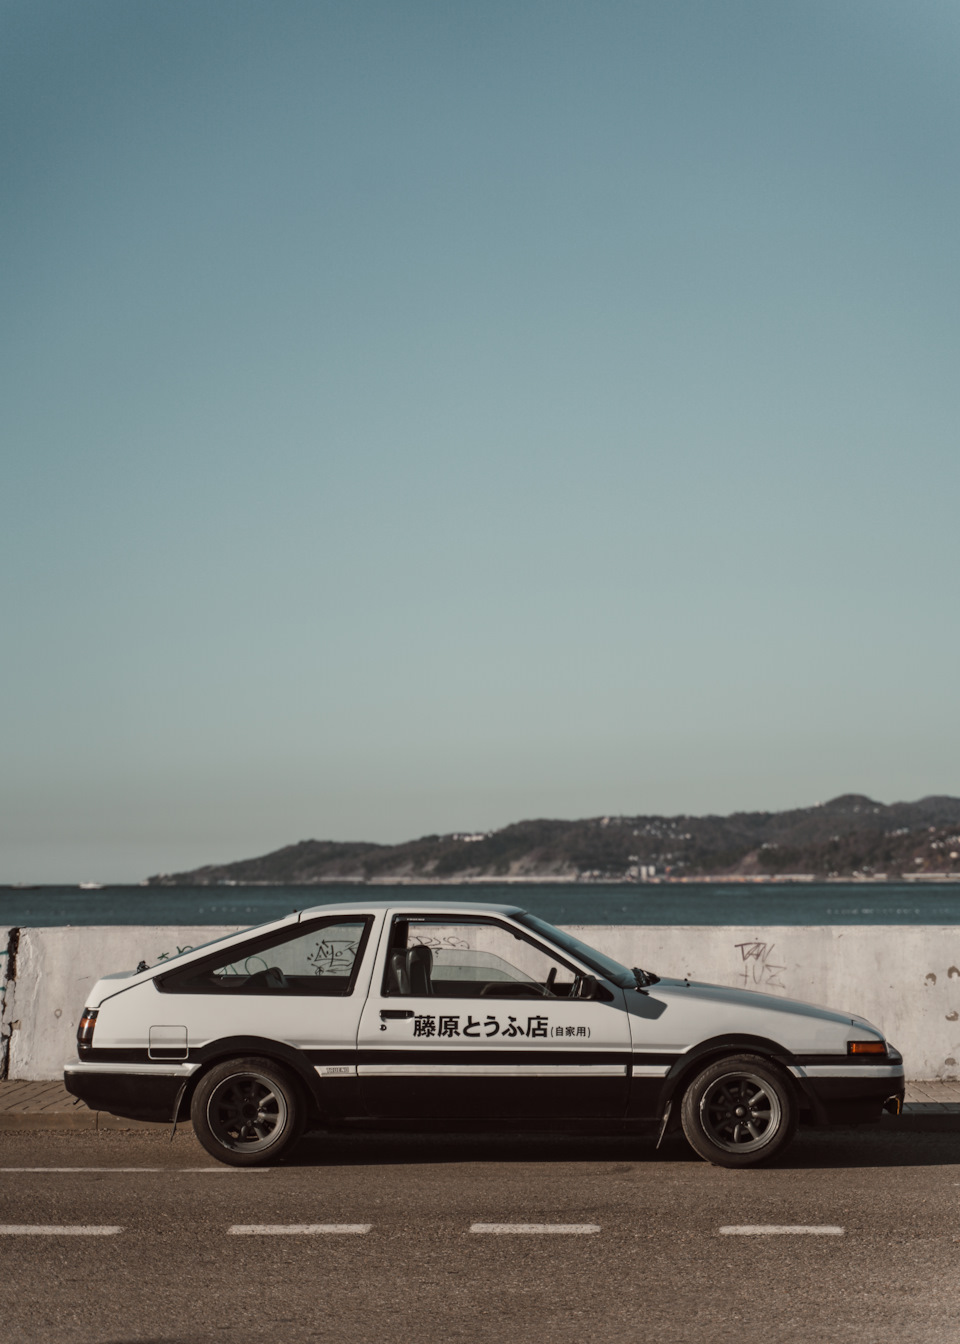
[
  {"x": 296, "y": 1229},
  {"x": 777, "y": 1230},
  {"x": 508, "y": 1228},
  {"x": 52, "y": 1230}
]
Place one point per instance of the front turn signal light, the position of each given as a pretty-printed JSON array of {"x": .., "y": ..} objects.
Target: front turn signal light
[{"x": 866, "y": 1048}]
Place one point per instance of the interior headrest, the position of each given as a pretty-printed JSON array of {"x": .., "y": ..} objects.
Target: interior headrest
[
  {"x": 399, "y": 980},
  {"x": 420, "y": 956}
]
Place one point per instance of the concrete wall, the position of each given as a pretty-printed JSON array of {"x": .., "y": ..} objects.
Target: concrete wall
[
  {"x": 55, "y": 970},
  {"x": 905, "y": 979}
]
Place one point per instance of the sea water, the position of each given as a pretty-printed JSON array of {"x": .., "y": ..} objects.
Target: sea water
[{"x": 568, "y": 903}]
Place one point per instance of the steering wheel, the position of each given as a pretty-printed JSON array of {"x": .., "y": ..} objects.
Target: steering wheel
[
  {"x": 270, "y": 978},
  {"x": 550, "y": 982}
]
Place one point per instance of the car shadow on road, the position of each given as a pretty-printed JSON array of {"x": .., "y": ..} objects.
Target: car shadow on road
[
  {"x": 902, "y": 1141},
  {"x": 413, "y": 1149},
  {"x": 905, "y": 1141}
]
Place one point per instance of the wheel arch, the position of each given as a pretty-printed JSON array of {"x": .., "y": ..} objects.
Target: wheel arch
[
  {"x": 691, "y": 1063},
  {"x": 236, "y": 1047}
]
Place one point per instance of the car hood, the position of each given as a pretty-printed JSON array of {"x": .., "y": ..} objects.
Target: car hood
[{"x": 678, "y": 991}]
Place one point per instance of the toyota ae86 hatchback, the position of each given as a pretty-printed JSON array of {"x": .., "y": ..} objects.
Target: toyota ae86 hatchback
[{"x": 376, "y": 1013}]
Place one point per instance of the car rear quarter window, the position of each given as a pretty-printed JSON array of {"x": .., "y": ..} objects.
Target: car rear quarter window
[{"x": 318, "y": 959}]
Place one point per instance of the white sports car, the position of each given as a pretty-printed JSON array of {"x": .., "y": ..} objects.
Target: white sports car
[{"x": 379, "y": 1013}]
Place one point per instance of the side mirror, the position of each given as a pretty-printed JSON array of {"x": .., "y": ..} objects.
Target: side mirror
[{"x": 588, "y": 987}]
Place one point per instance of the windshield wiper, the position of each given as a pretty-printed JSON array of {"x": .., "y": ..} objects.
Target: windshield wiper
[{"x": 644, "y": 978}]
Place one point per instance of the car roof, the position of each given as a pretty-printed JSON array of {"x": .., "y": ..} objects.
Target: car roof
[{"x": 411, "y": 907}]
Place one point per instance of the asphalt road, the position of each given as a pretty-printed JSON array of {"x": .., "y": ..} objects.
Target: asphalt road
[{"x": 649, "y": 1259}]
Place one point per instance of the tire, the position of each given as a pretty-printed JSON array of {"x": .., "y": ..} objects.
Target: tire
[
  {"x": 739, "y": 1112},
  {"x": 247, "y": 1112}
]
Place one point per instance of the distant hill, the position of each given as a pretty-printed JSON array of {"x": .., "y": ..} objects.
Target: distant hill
[{"x": 849, "y": 836}]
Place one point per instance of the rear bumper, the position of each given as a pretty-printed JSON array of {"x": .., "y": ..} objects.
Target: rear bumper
[
  {"x": 136, "y": 1092},
  {"x": 844, "y": 1094}
]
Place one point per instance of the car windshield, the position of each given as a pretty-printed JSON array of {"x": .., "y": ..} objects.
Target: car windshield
[{"x": 597, "y": 961}]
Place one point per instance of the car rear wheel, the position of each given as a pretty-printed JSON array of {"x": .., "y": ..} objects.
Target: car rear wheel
[
  {"x": 246, "y": 1112},
  {"x": 739, "y": 1112}
]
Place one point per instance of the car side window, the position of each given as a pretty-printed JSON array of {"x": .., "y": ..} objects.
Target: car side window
[
  {"x": 471, "y": 960},
  {"x": 321, "y": 958}
]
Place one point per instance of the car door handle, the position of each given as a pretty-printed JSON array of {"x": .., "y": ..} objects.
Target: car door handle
[{"x": 396, "y": 1012}]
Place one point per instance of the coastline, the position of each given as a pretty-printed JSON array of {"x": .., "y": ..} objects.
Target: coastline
[{"x": 561, "y": 880}]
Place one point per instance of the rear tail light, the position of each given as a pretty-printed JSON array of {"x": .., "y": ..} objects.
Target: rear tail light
[
  {"x": 85, "y": 1029},
  {"x": 866, "y": 1047}
]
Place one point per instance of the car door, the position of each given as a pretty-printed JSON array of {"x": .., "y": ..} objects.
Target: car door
[{"x": 472, "y": 1017}]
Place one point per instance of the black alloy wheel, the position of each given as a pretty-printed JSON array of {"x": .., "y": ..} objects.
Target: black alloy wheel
[
  {"x": 739, "y": 1112},
  {"x": 246, "y": 1112}
]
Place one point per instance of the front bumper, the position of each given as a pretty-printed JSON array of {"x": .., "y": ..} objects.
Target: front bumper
[
  {"x": 133, "y": 1091},
  {"x": 848, "y": 1094}
]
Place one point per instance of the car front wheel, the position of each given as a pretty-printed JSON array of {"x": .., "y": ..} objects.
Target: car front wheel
[
  {"x": 247, "y": 1111},
  {"x": 739, "y": 1111}
]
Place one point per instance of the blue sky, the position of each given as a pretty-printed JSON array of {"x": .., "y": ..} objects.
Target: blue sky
[{"x": 422, "y": 416}]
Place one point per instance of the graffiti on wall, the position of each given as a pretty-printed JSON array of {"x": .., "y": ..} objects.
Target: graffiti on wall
[
  {"x": 4, "y": 1024},
  {"x": 758, "y": 967}
]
